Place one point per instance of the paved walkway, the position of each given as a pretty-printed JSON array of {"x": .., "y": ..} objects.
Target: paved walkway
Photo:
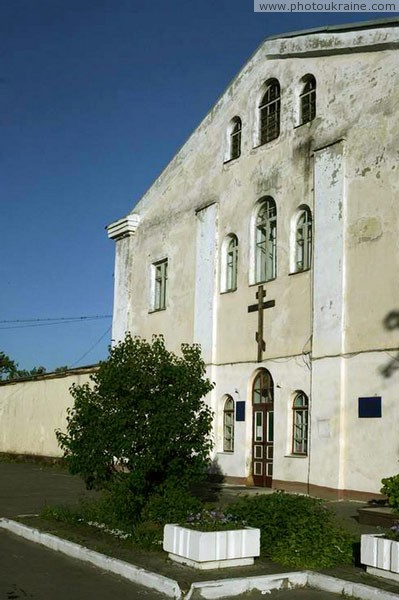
[{"x": 29, "y": 569}]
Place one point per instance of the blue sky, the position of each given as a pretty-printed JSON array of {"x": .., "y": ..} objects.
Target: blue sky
[{"x": 96, "y": 98}]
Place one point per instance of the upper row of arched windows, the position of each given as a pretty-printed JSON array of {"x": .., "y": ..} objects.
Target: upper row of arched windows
[
  {"x": 269, "y": 114},
  {"x": 265, "y": 245}
]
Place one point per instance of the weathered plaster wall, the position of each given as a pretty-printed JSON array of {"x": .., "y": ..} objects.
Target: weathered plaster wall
[
  {"x": 31, "y": 411},
  {"x": 206, "y": 281},
  {"x": 236, "y": 380},
  {"x": 282, "y": 169},
  {"x": 356, "y": 219}
]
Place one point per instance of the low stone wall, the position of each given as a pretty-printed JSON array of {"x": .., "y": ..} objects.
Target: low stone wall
[{"x": 32, "y": 409}]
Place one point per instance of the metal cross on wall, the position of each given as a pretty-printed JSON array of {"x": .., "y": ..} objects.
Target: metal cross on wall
[{"x": 259, "y": 308}]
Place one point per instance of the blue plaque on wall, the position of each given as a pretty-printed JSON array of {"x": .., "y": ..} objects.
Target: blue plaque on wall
[
  {"x": 240, "y": 411},
  {"x": 370, "y": 408}
]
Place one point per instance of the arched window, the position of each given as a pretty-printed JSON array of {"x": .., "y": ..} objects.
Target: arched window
[
  {"x": 228, "y": 425},
  {"x": 266, "y": 241},
  {"x": 307, "y": 99},
  {"x": 300, "y": 409},
  {"x": 303, "y": 241},
  {"x": 235, "y": 138},
  {"x": 263, "y": 388},
  {"x": 231, "y": 258},
  {"x": 269, "y": 113}
]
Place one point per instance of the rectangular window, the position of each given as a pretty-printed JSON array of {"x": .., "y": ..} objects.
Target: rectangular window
[
  {"x": 300, "y": 431},
  {"x": 258, "y": 426},
  {"x": 160, "y": 270}
]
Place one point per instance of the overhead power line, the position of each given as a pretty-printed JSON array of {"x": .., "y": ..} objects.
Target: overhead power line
[
  {"x": 91, "y": 347},
  {"x": 43, "y": 322}
]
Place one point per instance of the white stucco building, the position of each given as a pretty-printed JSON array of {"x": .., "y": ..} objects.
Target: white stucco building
[{"x": 291, "y": 182}]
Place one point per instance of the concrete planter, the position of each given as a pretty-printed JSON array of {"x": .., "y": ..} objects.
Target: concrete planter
[
  {"x": 211, "y": 549},
  {"x": 380, "y": 556}
]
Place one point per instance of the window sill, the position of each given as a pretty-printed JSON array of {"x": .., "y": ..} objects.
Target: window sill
[
  {"x": 299, "y": 272},
  {"x": 230, "y": 160},
  {"x": 156, "y": 310},
  {"x": 229, "y": 291},
  {"x": 226, "y": 452},
  {"x": 295, "y": 456},
  {"x": 303, "y": 124},
  {"x": 258, "y": 283},
  {"x": 268, "y": 143}
]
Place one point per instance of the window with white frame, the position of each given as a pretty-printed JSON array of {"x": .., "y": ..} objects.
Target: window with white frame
[
  {"x": 269, "y": 113},
  {"x": 231, "y": 262},
  {"x": 303, "y": 240},
  {"x": 307, "y": 99},
  {"x": 300, "y": 408},
  {"x": 160, "y": 273},
  {"x": 266, "y": 241},
  {"x": 228, "y": 425}
]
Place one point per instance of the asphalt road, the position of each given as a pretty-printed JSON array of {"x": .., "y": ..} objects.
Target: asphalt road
[
  {"x": 304, "y": 594},
  {"x": 28, "y": 570}
]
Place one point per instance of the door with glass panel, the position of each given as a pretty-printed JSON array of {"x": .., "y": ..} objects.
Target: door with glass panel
[{"x": 263, "y": 429}]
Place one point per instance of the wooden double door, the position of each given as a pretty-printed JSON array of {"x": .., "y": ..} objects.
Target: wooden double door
[{"x": 262, "y": 429}]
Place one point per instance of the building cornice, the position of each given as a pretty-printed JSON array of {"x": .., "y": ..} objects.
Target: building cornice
[{"x": 123, "y": 227}]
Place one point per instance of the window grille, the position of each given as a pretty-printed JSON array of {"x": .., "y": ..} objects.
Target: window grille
[
  {"x": 300, "y": 424},
  {"x": 231, "y": 264},
  {"x": 303, "y": 241},
  {"x": 235, "y": 139},
  {"x": 263, "y": 388},
  {"x": 308, "y": 100},
  {"x": 270, "y": 113},
  {"x": 266, "y": 241},
  {"x": 160, "y": 284},
  {"x": 228, "y": 425}
]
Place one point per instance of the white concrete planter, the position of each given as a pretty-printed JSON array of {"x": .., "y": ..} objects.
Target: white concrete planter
[
  {"x": 211, "y": 549},
  {"x": 381, "y": 556}
]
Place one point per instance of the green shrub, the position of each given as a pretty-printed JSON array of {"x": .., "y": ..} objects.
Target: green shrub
[
  {"x": 390, "y": 488},
  {"x": 171, "y": 504},
  {"x": 63, "y": 514},
  {"x": 296, "y": 531},
  {"x": 148, "y": 535},
  {"x": 140, "y": 427}
]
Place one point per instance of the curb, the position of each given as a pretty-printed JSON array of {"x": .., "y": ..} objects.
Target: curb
[
  {"x": 212, "y": 590},
  {"x": 162, "y": 584},
  {"x": 209, "y": 590}
]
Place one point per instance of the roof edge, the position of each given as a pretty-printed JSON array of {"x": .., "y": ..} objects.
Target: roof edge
[{"x": 372, "y": 24}]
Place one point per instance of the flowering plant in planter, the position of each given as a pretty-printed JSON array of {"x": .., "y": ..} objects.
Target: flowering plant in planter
[
  {"x": 213, "y": 520},
  {"x": 211, "y": 539},
  {"x": 393, "y": 532}
]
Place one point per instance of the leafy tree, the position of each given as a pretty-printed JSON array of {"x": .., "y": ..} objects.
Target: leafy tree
[
  {"x": 31, "y": 372},
  {"x": 8, "y": 367},
  {"x": 141, "y": 428},
  {"x": 61, "y": 369}
]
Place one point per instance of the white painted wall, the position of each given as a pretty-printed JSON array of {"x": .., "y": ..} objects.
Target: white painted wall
[
  {"x": 206, "y": 281},
  {"x": 31, "y": 411},
  {"x": 344, "y": 166}
]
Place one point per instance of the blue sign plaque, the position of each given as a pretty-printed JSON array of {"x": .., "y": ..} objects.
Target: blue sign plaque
[
  {"x": 240, "y": 411},
  {"x": 370, "y": 408}
]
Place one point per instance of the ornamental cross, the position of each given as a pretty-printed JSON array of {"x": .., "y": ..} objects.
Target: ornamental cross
[{"x": 259, "y": 308}]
